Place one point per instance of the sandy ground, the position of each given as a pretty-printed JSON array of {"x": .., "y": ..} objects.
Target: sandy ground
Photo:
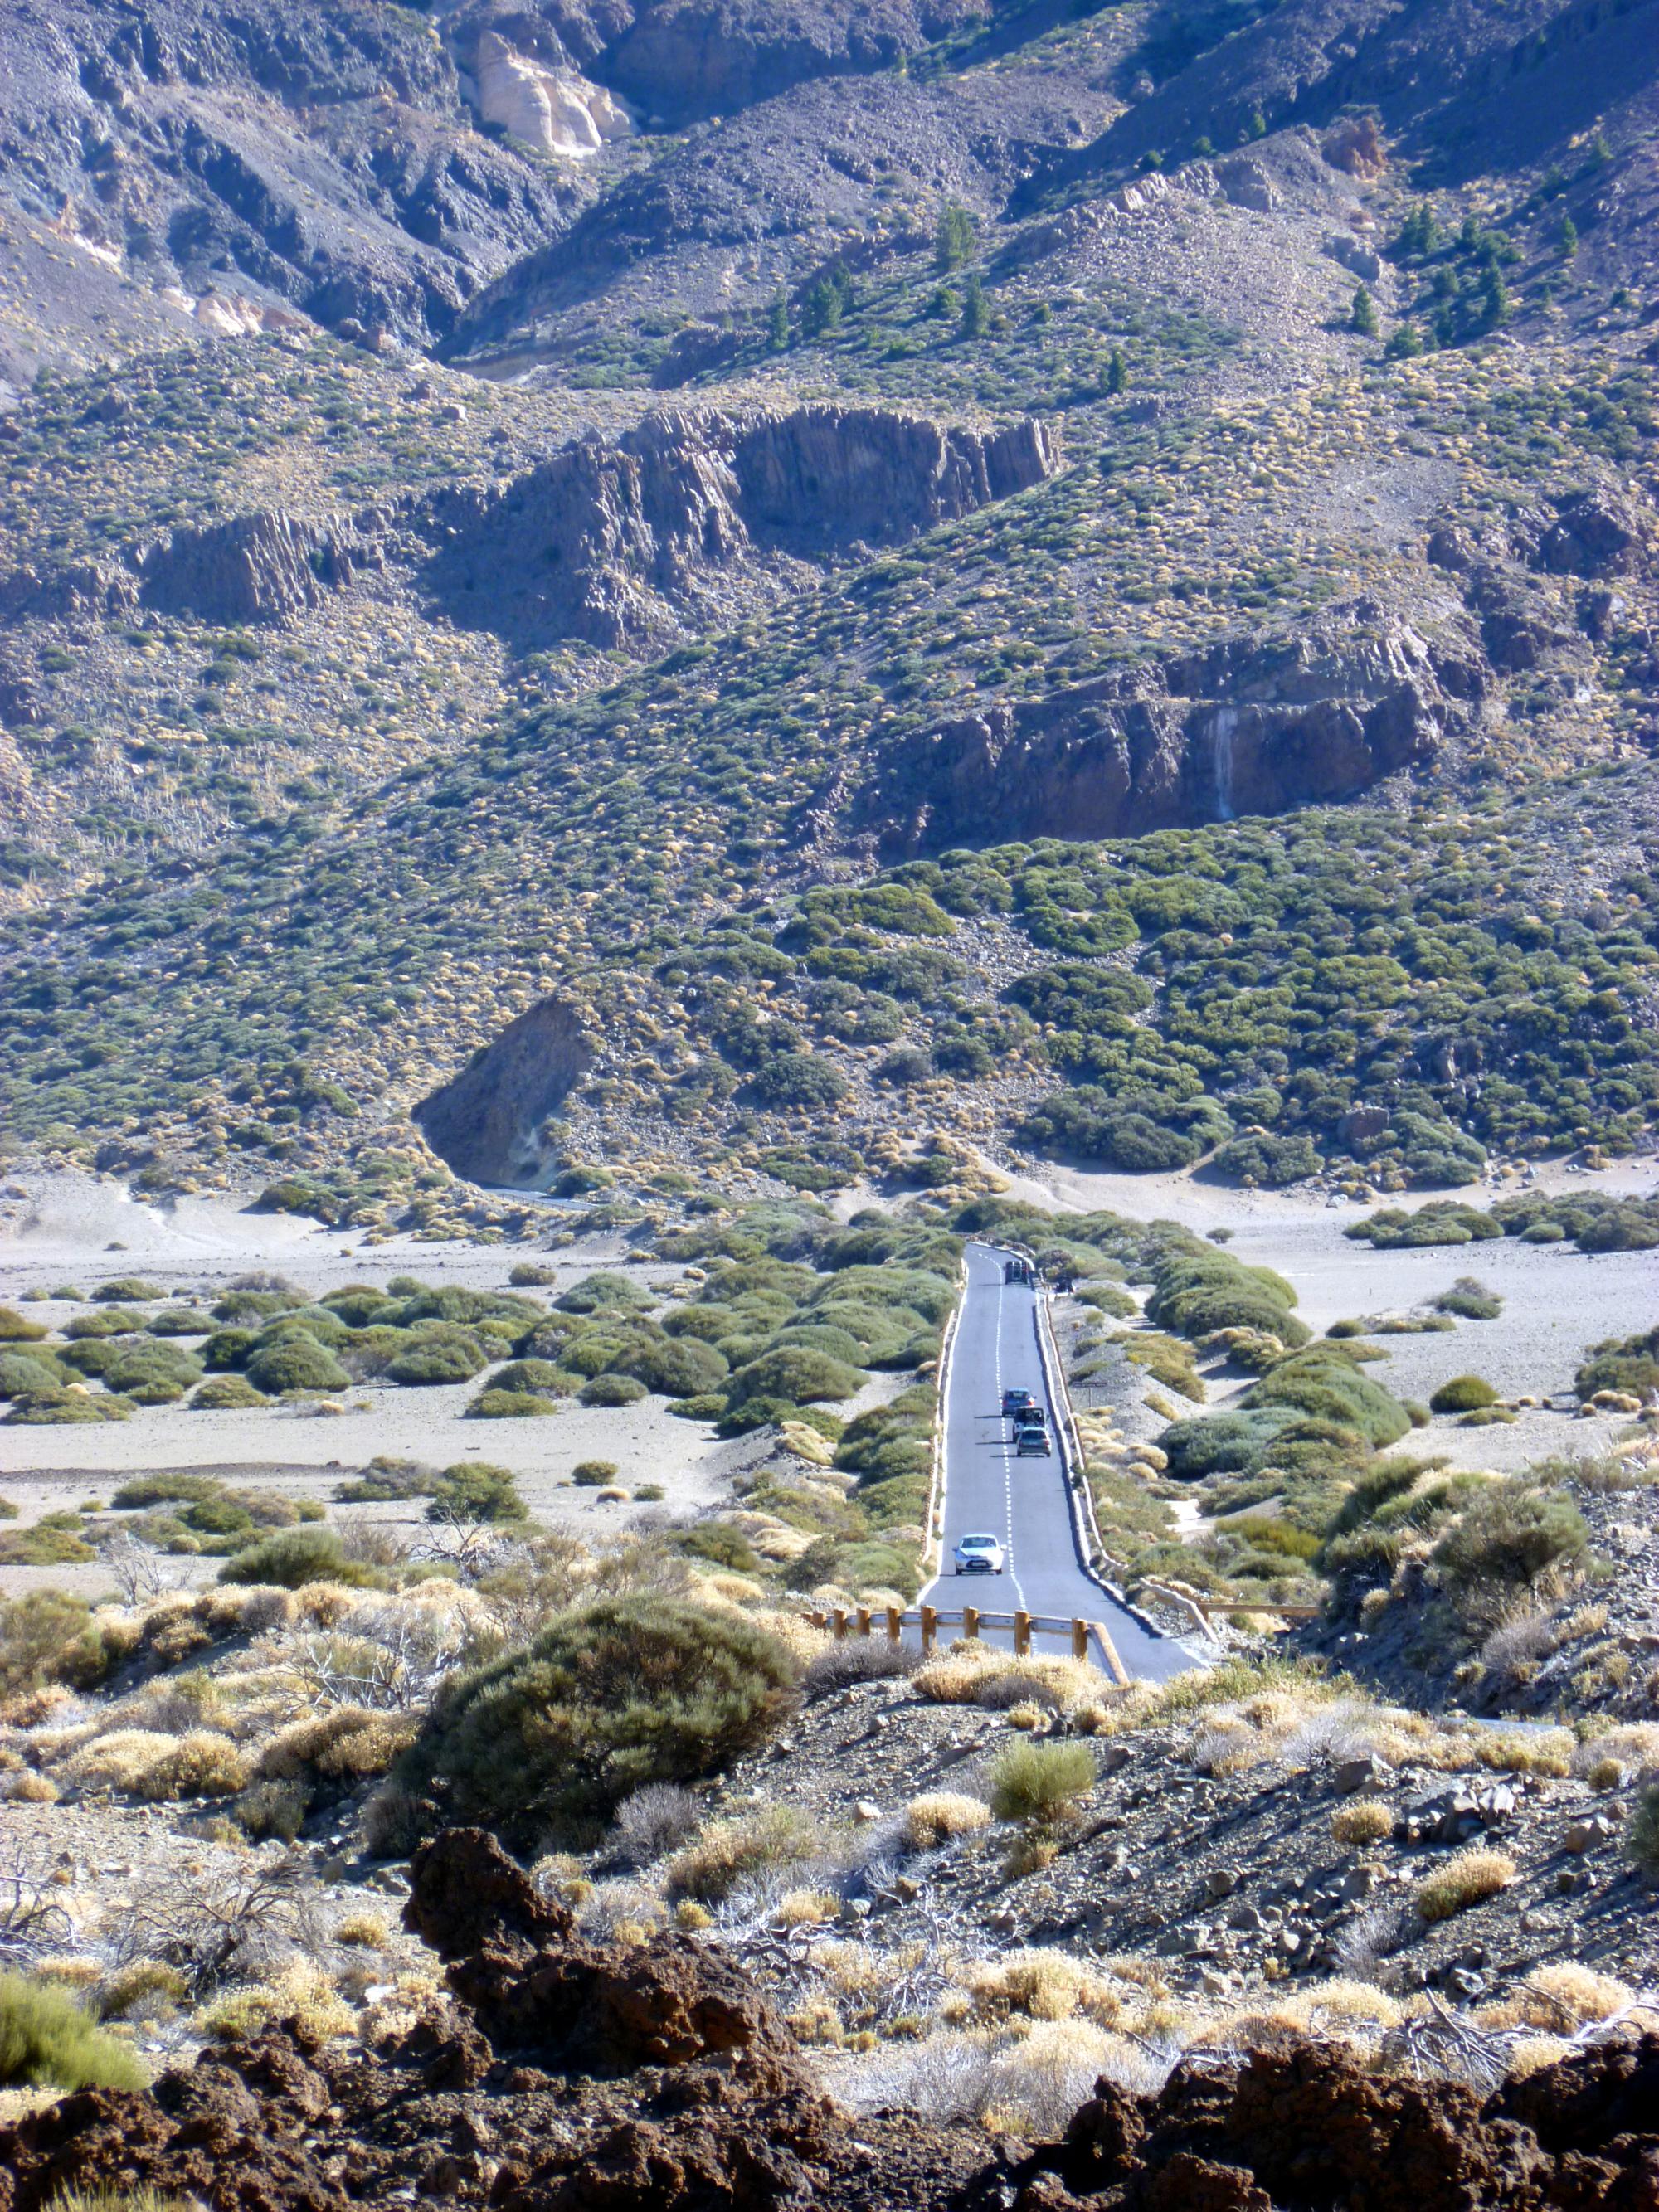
[
  {"x": 84, "y": 1230},
  {"x": 61, "y": 1231},
  {"x": 1557, "y": 1301}
]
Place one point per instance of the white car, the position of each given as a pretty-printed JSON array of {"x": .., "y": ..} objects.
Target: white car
[{"x": 979, "y": 1555}]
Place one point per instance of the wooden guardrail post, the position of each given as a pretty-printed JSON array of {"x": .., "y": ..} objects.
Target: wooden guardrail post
[
  {"x": 863, "y": 1620},
  {"x": 1079, "y": 1640},
  {"x": 970, "y": 1622},
  {"x": 839, "y": 1619},
  {"x": 895, "y": 1624},
  {"x": 929, "y": 1628},
  {"x": 1119, "y": 1672},
  {"x": 1022, "y": 1636}
]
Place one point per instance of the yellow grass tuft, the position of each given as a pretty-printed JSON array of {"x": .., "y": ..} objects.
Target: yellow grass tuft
[
  {"x": 939, "y": 1815},
  {"x": 1469, "y": 1879},
  {"x": 1363, "y": 1820}
]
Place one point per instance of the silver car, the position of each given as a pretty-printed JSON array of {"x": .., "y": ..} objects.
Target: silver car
[{"x": 979, "y": 1555}]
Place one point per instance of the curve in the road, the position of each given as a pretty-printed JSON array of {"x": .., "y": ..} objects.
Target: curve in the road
[{"x": 1024, "y": 1502}]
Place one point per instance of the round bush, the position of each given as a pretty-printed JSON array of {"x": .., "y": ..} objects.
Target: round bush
[
  {"x": 796, "y": 1079},
  {"x": 295, "y": 1363},
  {"x": 1464, "y": 1394},
  {"x": 549, "y": 1740},
  {"x": 612, "y": 1390},
  {"x": 432, "y": 1360},
  {"x": 674, "y": 1367},
  {"x": 497, "y": 1405},
  {"x": 793, "y": 1373},
  {"x": 289, "y": 1558}
]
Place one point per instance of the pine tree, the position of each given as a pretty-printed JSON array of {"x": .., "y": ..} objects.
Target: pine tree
[
  {"x": 955, "y": 238},
  {"x": 1569, "y": 238},
  {"x": 777, "y": 323},
  {"x": 1117, "y": 374},
  {"x": 975, "y": 315},
  {"x": 1362, "y": 317}
]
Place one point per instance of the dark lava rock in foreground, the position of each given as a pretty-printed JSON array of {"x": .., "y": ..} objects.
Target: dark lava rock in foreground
[{"x": 571, "y": 2076}]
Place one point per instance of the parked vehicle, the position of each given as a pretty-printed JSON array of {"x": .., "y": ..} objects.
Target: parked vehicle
[{"x": 979, "y": 1555}]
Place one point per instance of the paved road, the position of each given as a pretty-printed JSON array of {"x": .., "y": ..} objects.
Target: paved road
[{"x": 1022, "y": 1501}]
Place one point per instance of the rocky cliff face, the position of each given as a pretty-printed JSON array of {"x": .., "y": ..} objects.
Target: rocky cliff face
[
  {"x": 613, "y": 543},
  {"x": 487, "y": 1123},
  {"x": 321, "y": 160},
  {"x": 681, "y": 61},
  {"x": 1254, "y": 726}
]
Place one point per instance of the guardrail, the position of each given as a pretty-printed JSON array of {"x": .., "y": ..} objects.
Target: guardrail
[
  {"x": 843, "y": 1621},
  {"x": 1190, "y": 1601}
]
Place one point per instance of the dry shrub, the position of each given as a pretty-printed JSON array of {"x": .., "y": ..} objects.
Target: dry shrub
[
  {"x": 939, "y": 1815},
  {"x": 966, "y": 1675},
  {"x": 1044, "y": 1985},
  {"x": 1363, "y": 1820},
  {"x": 690, "y": 1917},
  {"x": 323, "y": 1605},
  {"x": 370, "y": 1929},
  {"x": 118, "y": 1760},
  {"x": 146, "y": 1988},
  {"x": 1634, "y": 1746},
  {"x": 1349, "y": 2009},
  {"x": 1469, "y": 1879},
  {"x": 731, "y": 1852},
  {"x": 1560, "y": 1998},
  {"x": 203, "y": 1763},
  {"x": 1532, "y": 2053},
  {"x": 302, "y": 1992},
  {"x": 344, "y": 1745},
  {"x": 805, "y": 1908},
  {"x": 28, "y": 1788}
]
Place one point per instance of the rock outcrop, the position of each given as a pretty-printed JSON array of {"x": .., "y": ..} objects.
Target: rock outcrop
[
  {"x": 1252, "y": 725},
  {"x": 487, "y": 1123},
  {"x": 252, "y": 567},
  {"x": 618, "y": 543},
  {"x": 565, "y": 2076},
  {"x": 558, "y": 111},
  {"x": 682, "y": 61}
]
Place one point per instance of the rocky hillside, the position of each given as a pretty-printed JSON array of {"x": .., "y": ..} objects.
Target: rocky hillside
[{"x": 587, "y": 493}]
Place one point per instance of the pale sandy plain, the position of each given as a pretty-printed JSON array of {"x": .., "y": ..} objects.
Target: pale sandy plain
[{"x": 82, "y": 1230}]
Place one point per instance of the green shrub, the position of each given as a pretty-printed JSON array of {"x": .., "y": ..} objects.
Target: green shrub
[
  {"x": 1470, "y": 1300},
  {"x": 1630, "y": 1362},
  {"x": 14, "y": 1329},
  {"x": 48, "y": 2042},
  {"x": 296, "y": 1363},
  {"x": 593, "y": 1474},
  {"x": 227, "y": 1393},
  {"x": 495, "y": 1404},
  {"x": 474, "y": 1490},
  {"x": 1508, "y": 1534},
  {"x": 795, "y": 1375},
  {"x": 114, "y": 1320},
  {"x": 290, "y": 1558},
  {"x": 612, "y": 1390},
  {"x": 720, "y": 1544},
  {"x": 540, "y": 1376},
  {"x": 47, "y": 1636},
  {"x": 606, "y": 1293},
  {"x": 227, "y": 1348},
  {"x": 431, "y": 1360},
  {"x": 1462, "y": 1395},
  {"x": 548, "y": 1741},
  {"x": 152, "y": 1374},
  {"x": 24, "y": 1373},
  {"x": 1041, "y": 1782}
]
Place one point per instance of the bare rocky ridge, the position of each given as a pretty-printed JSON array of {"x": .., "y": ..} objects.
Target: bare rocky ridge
[{"x": 614, "y": 543}]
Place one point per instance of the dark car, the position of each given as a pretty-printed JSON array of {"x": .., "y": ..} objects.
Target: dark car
[{"x": 1015, "y": 1402}]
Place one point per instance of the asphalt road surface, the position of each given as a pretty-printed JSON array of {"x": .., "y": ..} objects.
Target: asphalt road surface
[{"x": 1022, "y": 1501}]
